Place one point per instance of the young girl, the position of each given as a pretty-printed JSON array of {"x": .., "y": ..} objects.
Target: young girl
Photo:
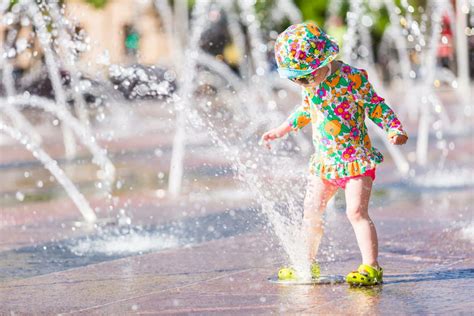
[{"x": 336, "y": 99}]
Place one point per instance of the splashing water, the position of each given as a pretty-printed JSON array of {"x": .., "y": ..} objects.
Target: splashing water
[
  {"x": 467, "y": 232},
  {"x": 278, "y": 203},
  {"x": 52, "y": 166},
  {"x": 250, "y": 104},
  {"x": 446, "y": 178},
  {"x": 29, "y": 12},
  {"x": 124, "y": 244}
]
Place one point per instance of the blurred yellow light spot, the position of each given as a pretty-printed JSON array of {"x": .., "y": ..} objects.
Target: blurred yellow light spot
[
  {"x": 231, "y": 54},
  {"x": 403, "y": 21}
]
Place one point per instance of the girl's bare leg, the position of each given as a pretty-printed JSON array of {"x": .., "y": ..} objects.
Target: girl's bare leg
[
  {"x": 318, "y": 193},
  {"x": 357, "y": 200}
]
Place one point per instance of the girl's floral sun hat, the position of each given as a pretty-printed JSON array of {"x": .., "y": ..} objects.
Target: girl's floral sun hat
[{"x": 302, "y": 48}]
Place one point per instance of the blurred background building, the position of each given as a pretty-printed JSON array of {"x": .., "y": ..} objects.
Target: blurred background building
[
  {"x": 130, "y": 32},
  {"x": 124, "y": 31}
]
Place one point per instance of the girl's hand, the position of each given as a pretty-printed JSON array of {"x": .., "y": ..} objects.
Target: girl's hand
[
  {"x": 275, "y": 133},
  {"x": 269, "y": 136},
  {"x": 398, "y": 139}
]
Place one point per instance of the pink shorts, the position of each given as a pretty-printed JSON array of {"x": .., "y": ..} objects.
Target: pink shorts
[{"x": 341, "y": 182}]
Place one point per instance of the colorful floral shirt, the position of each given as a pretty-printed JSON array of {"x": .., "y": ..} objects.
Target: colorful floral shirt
[{"x": 337, "y": 109}]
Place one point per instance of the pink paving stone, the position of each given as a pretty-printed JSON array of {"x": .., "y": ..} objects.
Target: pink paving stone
[
  {"x": 219, "y": 277},
  {"x": 43, "y": 221},
  {"x": 129, "y": 277},
  {"x": 428, "y": 267}
]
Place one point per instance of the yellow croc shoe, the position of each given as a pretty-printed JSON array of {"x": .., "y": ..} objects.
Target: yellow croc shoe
[
  {"x": 315, "y": 270},
  {"x": 289, "y": 274},
  {"x": 365, "y": 275}
]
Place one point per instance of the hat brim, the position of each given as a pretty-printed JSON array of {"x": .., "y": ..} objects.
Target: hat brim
[{"x": 295, "y": 73}]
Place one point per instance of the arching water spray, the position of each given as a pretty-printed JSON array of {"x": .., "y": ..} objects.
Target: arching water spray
[
  {"x": 107, "y": 173},
  {"x": 52, "y": 165}
]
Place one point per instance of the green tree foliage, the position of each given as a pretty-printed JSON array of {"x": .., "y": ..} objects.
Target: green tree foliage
[
  {"x": 98, "y": 4},
  {"x": 316, "y": 11},
  {"x": 313, "y": 10}
]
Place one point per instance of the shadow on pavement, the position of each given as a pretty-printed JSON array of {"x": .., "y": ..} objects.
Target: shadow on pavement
[{"x": 431, "y": 276}]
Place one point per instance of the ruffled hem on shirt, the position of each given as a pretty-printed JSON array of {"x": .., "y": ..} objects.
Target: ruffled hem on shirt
[{"x": 343, "y": 170}]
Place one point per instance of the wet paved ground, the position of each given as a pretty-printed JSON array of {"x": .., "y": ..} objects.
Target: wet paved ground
[
  {"x": 425, "y": 252},
  {"x": 211, "y": 254},
  {"x": 234, "y": 282}
]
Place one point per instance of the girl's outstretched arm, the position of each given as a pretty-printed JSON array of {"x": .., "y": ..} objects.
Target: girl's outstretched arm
[
  {"x": 380, "y": 113},
  {"x": 297, "y": 120}
]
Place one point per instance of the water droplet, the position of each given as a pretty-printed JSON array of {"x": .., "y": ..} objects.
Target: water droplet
[
  {"x": 282, "y": 94},
  {"x": 367, "y": 21},
  {"x": 160, "y": 193},
  {"x": 100, "y": 117},
  {"x": 20, "y": 196}
]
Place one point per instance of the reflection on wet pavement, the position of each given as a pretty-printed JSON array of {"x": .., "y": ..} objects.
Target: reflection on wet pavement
[{"x": 219, "y": 263}]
